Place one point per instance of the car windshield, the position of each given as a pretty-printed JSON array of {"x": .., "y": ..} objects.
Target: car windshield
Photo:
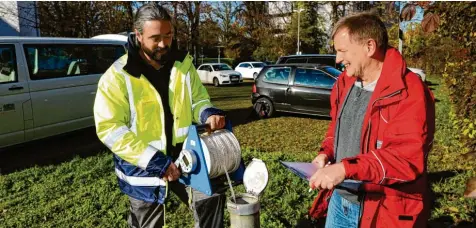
[
  {"x": 258, "y": 65},
  {"x": 220, "y": 67},
  {"x": 333, "y": 71}
]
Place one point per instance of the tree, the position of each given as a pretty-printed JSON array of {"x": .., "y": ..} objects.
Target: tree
[
  {"x": 252, "y": 27},
  {"x": 312, "y": 33},
  {"x": 84, "y": 19},
  {"x": 225, "y": 14},
  {"x": 209, "y": 37},
  {"x": 191, "y": 15}
]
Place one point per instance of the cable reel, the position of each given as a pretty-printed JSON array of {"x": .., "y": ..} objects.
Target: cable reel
[{"x": 205, "y": 157}]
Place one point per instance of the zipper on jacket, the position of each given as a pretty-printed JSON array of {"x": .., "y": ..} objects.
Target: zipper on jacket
[
  {"x": 337, "y": 120},
  {"x": 370, "y": 117}
]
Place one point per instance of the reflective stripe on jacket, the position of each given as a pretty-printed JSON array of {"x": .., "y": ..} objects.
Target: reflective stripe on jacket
[{"x": 129, "y": 116}]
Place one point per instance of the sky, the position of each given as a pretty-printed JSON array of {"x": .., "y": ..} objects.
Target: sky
[{"x": 416, "y": 19}]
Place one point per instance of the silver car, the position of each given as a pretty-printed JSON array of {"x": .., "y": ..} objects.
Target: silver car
[{"x": 48, "y": 85}]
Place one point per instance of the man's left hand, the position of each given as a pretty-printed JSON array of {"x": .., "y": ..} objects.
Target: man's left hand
[
  {"x": 216, "y": 122},
  {"x": 328, "y": 177}
]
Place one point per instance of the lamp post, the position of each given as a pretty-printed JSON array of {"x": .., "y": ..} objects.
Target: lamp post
[
  {"x": 299, "y": 19},
  {"x": 219, "y": 52}
]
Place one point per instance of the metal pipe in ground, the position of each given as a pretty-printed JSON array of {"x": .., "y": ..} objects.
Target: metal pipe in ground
[{"x": 245, "y": 212}]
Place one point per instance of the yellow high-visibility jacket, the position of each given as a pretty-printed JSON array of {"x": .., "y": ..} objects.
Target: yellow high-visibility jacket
[{"x": 129, "y": 116}]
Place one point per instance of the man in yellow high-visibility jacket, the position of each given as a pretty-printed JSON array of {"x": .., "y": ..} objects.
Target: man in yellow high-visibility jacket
[{"x": 144, "y": 105}]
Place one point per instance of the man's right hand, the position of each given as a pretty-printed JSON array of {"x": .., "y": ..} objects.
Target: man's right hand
[
  {"x": 321, "y": 161},
  {"x": 172, "y": 173}
]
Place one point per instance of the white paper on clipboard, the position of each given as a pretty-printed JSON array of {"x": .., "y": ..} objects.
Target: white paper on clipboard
[{"x": 305, "y": 170}]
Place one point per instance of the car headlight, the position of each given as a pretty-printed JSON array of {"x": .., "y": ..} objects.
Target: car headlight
[{"x": 223, "y": 75}]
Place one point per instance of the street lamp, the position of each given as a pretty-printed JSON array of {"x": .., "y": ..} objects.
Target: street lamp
[
  {"x": 219, "y": 52},
  {"x": 299, "y": 19}
]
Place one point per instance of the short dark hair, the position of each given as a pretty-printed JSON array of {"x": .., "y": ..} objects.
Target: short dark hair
[
  {"x": 363, "y": 26},
  {"x": 150, "y": 12}
]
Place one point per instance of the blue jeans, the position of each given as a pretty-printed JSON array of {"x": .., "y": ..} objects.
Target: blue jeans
[{"x": 342, "y": 213}]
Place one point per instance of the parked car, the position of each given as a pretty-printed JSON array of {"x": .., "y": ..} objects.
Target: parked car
[
  {"x": 419, "y": 72},
  {"x": 266, "y": 62},
  {"x": 118, "y": 37},
  {"x": 250, "y": 69},
  {"x": 322, "y": 59},
  {"x": 296, "y": 88},
  {"x": 48, "y": 85},
  {"x": 218, "y": 74}
]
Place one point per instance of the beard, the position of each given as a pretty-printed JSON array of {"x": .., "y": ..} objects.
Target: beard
[{"x": 160, "y": 55}]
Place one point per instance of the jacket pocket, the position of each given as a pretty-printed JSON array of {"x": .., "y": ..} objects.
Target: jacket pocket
[{"x": 396, "y": 211}]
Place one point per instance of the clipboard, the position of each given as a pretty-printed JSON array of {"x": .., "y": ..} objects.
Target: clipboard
[{"x": 305, "y": 170}]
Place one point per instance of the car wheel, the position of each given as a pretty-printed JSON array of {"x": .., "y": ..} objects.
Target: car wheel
[
  {"x": 265, "y": 108},
  {"x": 216, "y": 82},
  {"x": 255, "y": 75}
]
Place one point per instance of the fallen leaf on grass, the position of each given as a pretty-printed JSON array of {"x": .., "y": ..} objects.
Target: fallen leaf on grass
[
  {"x": 453, "y": 209},
  {"x": 470, "y": 191}
]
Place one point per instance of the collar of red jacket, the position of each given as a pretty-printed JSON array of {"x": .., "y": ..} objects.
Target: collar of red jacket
[{"x": 391, "y": 78}]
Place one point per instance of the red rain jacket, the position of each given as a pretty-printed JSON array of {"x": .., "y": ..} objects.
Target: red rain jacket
[{"x": 397, "y": 134}]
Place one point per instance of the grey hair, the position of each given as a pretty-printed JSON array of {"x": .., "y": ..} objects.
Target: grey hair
[
  {"x": 150, "y": 12},
  {"x": 363, "y": 26}
]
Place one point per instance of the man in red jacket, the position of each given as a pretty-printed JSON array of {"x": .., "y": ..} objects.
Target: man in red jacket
[{"x": 383, "y": 122}]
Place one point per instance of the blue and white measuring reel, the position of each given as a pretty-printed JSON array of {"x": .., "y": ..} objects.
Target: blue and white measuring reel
[{"x": 208, "y": 156}]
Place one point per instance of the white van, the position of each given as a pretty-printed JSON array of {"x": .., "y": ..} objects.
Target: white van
[{"x": 48, "y": 85}]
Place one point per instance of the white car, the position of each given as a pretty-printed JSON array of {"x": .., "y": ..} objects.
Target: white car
[
  {"x": 419, "y": 72},
  {"x": 218, "y": 74},
  {"x": 250, "y": 69}
]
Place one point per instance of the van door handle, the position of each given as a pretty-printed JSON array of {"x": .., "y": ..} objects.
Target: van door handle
[{"x": 15, "y": 88}]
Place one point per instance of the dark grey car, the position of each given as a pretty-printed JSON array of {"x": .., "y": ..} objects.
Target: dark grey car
[
  {"x": 324, "y": 59},
  {"x": 295, "y": 88}
]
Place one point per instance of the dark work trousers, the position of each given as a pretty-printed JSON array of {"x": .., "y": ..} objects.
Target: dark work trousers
[{"x": 207, "y": 210}]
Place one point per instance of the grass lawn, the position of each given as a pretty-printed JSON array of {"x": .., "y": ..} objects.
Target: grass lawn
[{"x": 83, "y": 192}]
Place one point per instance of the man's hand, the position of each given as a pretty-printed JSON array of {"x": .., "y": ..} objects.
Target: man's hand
[
  {"x": 172, "y": 173},
  {"x": 216, "y": 122},
  {"x": 321, "y": 161},
  {"x": 328, "y": 177}
]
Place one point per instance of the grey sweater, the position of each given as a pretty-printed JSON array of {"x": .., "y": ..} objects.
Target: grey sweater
[{"x": 350, "y": 127}]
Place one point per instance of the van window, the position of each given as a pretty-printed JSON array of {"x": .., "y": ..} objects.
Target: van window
[
  {"x": 104, "y": 56},
  {"x": 313, "y": 78},
  {"x": 8, "y": 64},
  {"x": 278, "y": 75},
  {"x": 66, "y": 60}
]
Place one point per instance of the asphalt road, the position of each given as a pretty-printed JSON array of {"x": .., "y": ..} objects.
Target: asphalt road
[{"x": 48, "y": 151}]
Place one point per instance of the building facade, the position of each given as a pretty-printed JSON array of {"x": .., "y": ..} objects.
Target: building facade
[{"x": 19, "y": 19}]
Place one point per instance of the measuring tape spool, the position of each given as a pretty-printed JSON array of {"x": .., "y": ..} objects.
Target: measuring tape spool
[{"x": 222, "y": 152}]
